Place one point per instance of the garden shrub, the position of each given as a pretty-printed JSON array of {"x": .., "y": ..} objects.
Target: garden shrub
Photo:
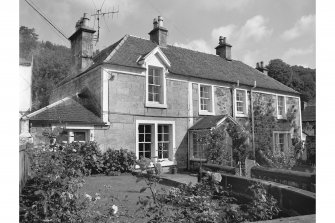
[
  {"x": 118, "y": 160},
  {"x": 92, "y": 156},
  {"x": 51, "y": 193},
  {"x": 208, "y": 201}
]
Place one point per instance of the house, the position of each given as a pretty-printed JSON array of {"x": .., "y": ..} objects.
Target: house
[
  {"x": 25, "y": 80},
  {"x": 145, "y": 94},
  {"x": 309, "y": 131}
]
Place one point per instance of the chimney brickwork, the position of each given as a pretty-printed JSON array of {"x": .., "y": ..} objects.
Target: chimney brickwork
[
  {"x": 159, "y": 33},
  {"x": 82, "y": 44},
  {"x": 223, "y": 49},
  {"x": 261, "y": 68}
]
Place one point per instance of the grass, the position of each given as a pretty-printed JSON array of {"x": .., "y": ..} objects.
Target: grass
[{"x": 122, "y": 191}]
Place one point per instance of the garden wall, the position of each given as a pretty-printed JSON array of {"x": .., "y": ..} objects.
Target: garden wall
[
  {"x": 291, "y": 200},
  {"x": 297, "y": 179}
]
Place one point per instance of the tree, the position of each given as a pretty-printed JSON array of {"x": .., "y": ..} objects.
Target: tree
[
  {"x": 280, "y": 71},
  {"x": 52, "y": 63},
  {"x": 28, "y": 41},
  {"x": 299, "y": 78}
]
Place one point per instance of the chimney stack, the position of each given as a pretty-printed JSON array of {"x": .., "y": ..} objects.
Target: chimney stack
[
  {"x": 223, "y": 49},
  {"x": 159, "y": 33},
  {"x": 82, "y": 44},
  {"x": 261, "y": 68}
]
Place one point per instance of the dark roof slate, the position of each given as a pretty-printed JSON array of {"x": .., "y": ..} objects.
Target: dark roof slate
[
  {"x": 196, "y": 64},
  {"x": 207, "y": 122},
  {"x": 189, "y": 63},
  {"x": 67, "y": 111},
  {"x": 308, "y": 114}
]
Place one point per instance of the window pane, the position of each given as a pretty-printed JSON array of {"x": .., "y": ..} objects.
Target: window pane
[
  {"x": 147, "y": 147},
  {"x": 141, "y": 137},
  {"x": 147, "y": 128},
  {"x": 141, "y": 128},
  {"x": 148, "y": 155},
  {"x": 79, "y": 136}
]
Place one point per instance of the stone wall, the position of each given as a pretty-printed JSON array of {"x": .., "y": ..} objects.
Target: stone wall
[
  {"x": 297, "y": 179},
  {"x": 90, "y": 81},
  {"x": 127, "y": 104},
  {"x": 223, "y": 101}
]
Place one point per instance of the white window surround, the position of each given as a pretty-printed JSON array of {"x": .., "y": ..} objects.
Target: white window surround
[
  {"x": 287, "y": 137},
  {"x": 279, "y": 116},
  {"x": 152, "y": 104},
  {"x": 211, "y": 109},
  {"x": 245, "y": 104},
  {"x": 155, "y": 123}
]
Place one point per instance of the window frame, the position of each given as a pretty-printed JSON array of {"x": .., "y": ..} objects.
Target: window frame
[
  {"x": 211, "y": 109},
  {"x": 245, "y": 105},
  {"x": 287, "y": 140},
  {"x": 162, "y": 94},
  {"x": 203, "y": 147},
  {"x": 154, "y": 150},
  {"x": 89, "y": 135},
  {"x": 281, "y": 116}
]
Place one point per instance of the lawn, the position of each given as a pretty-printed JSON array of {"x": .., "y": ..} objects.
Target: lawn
[{"x": 122, "y": 191}]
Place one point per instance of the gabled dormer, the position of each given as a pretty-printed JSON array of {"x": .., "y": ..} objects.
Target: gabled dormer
[{"x": 156, "y": 65}]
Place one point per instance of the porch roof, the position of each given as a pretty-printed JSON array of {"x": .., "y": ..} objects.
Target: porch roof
[{"x": 208, "y": 122}]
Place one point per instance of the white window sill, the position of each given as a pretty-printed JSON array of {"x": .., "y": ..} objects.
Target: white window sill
[
  {"x": 281, "y": 117},
  {"x": 241, "y": 115},
  {"x": 155, "y": 105},
  {"x": 198, "y": 159},
  {"x": 204, "y": 112}
]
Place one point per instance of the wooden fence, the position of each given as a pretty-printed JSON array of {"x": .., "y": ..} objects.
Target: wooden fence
[{"x": 23, "y": 165}]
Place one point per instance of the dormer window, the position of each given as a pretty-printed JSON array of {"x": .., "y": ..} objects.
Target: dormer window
[
  {"x": 241, "y": 103},
  {"x": 155, "y": 84},
  {"x": 281, "y": 107},
  {"x": 156, "y": 87},
  {"x": 206, "y": 99}
]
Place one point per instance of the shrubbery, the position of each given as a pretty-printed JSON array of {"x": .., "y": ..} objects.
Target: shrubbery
[
  {"x": 51, "y": 194},
  {"x": 118, "y": 161},
  {"x": 57, "y": 171}
]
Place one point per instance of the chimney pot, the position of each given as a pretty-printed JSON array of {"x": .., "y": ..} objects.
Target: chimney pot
[
  {"x": 257, "y": 65},
  {"x": 262, "y": 65},
  {"x": 155, "y": 23},
  {"x": 224, "y": 48},
  {"x": 160, "y": 21},
  {"x": 159, "y": 34}
]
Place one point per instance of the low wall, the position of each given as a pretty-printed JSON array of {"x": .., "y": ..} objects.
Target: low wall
[
  {"x": 219, "y": 168},
  {"x": 290, "y": 199},
  {"x": 297, "y": 179}
]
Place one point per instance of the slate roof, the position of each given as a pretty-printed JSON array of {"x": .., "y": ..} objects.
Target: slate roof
[
  {"x": 308, "y": 114},
  {"x": 207, "y": 122},
  {"x": 66, "y": 110},
  {"x": 189, "y": 63},
  {"x": 186, "y": 62}
]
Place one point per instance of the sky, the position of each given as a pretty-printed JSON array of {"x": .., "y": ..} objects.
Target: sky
[{"x": 258, "y": 30}]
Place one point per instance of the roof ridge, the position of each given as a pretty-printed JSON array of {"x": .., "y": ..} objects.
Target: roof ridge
[
  {"x": 174, "y": 46},
  {"x": 124, "y": 39},
  {"x": 46, "y": 107}
]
